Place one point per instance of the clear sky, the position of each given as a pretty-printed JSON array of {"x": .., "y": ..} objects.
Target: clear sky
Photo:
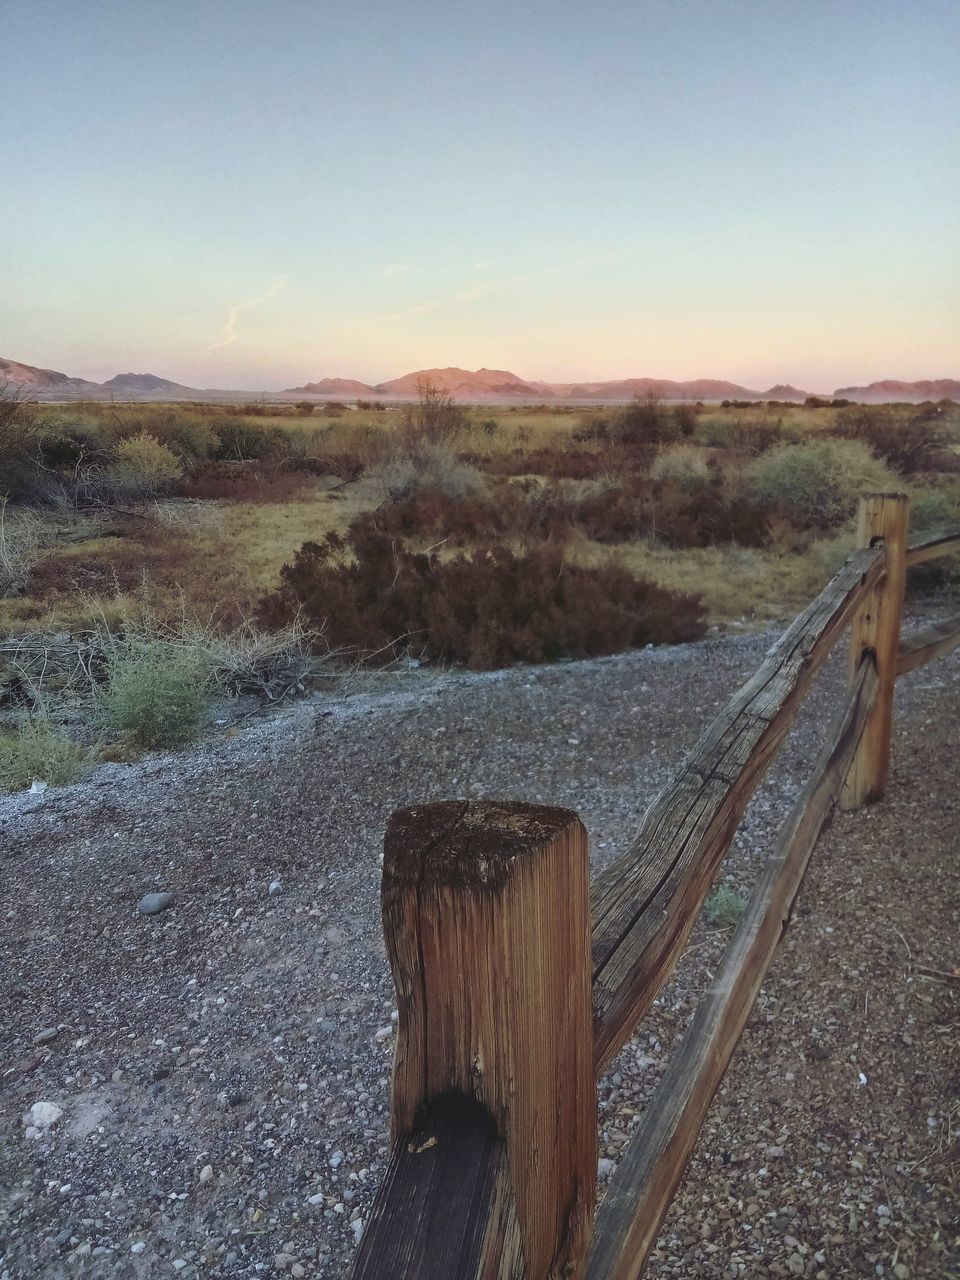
[{"x": 236, "y": 193}]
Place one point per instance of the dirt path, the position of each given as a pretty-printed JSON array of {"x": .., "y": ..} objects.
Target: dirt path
[{"x": 222, "y": 1068}]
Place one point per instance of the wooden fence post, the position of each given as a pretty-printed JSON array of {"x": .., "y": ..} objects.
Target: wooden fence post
[
  {"x": 487, "y": 922},
  {"x": 876, "y": 627}
]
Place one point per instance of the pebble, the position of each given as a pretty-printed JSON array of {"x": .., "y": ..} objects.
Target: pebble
[
  {"x": 206, "y": 1173},
  {"x": 45, "y": 1036},
  {"x": 274, "y": 888},
  {"x": 138, "y": 1247},
  {"x": 151, "y": 904}
]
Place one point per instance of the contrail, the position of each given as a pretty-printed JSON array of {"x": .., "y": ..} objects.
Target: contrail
[{"x": 234, "y": 312}]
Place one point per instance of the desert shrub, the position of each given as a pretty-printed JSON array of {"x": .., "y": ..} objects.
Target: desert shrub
[
  {"x": 429, "y": 465},
  {"x": 247, "y": 482},
  {"x": 144, "y": 468},
  {"x": 240, "y": 441},
  {"x": 724, "y": 906},
  {"x": 193, "y": 440},
  {"x": 36, "y": 752},
  {"x": 572, "y": 464},
  {"x": 817, "y": 485},
  {"x": 157, "y": 693},
  {"x": 911, "y": 445},
  {"x": 591, "y": 427},
  {"x": 934, "y": 506},
  {"x": 683, "y": 466},
  {"x": 20, "y": 434},
  {"x": 334, "y": 409},
  {"x": 22, "y": 535},
  {"x": 435, "y": 418},
  {"x": 490, "y": 609},
  {"x": 647, "y": 420}
]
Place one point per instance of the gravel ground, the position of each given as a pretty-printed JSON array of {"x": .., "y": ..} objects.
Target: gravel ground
[{"x": 221, "y": 1069}]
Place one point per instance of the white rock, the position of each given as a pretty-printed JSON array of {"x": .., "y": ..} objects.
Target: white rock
[
  {"x": 206, "y": 1173},
  {"x": 275, "y": 888},
  {"x": 357, "y": 1226},
  {"x": 317, "y": 1199},
  {"x": 138, "y": 1247},
  {"x": 43, "y": 1115},
  {"x": 384, "y": 1033},
  {"x": 604, "y": 1167}
]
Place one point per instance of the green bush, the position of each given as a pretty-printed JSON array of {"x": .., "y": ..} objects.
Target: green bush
[
  {"x": 144, "y": 468},
  {"x": 817, "y": 485},
  {"x": 158, "y": 693},
  {"x": 241, "y": 441},
  {"x": 38, "y": 753},
  {"x": 725, "y": 906},
  {"x": 683, "y": 466},
  {"x": 930, "y": 508}
]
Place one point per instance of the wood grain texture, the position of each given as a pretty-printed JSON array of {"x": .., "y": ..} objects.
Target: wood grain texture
[
  {"x": 932, "y": 642},
  {"x": 876, "y": 629},
  {"x": 644, "y": 903},
  {"x": 486, "y": 918},
  {"x": 930, "y": 547},
  {"x": 445, "y": 1209},
  {"x": 644, "y": 1183}
]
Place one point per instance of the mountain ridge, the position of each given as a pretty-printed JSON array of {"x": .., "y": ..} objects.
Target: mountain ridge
[{"x": 475, "y": 386}]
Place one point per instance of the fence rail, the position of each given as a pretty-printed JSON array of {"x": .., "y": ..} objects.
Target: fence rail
[{"x": 516, "y": 986}]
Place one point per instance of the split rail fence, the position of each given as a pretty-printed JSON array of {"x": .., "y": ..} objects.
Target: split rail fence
[{"x": 517, "y": 981}]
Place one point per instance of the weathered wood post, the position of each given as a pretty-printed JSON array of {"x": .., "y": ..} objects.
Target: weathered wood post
[
  {"x": 487, "y": 923},
  {"x": 876, "y": 627}
]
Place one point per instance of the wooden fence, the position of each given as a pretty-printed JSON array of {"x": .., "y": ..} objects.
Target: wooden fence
[{"x": 517, "y": 981}]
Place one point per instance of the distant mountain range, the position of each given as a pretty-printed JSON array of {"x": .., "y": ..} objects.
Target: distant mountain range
[{"x": 493, "y": 386}]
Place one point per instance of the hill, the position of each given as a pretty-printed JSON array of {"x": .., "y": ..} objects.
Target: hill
[
  {"x": 332, "y": 387},
  {"x": 29, "y": 378},
  {"x": 463, "y": 384},
  {"x": 146, "y": 382},
  {"x": 914, "y": 392}
]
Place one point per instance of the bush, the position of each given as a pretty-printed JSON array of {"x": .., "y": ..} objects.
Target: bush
[
  {"x": 491, "y": 609},
  {"x": 428, "y": 466},
  {"x": 817, "y": 485},
  {"x": 647, "y": 420},
  {"x": 144, "y": 468},
  {"x": 38, "y": 753},
  {"x": 158, "y": 693},
  {"x": 682, "y": 466},
  {"x": 725, "y": 907},
  {"x": 240, "y": 441},
  {"x": 436, "y": 417},
  {"x": 916, "y": 444},
  {"x": 930, "y": 508},
  {"x": 19, "y": 440}
]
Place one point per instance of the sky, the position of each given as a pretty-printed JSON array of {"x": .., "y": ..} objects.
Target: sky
[{"x": 234, "y": 193}]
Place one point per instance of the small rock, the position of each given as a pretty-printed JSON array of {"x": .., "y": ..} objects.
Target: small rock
[
  {"x": 180, "y": 1263},
  {"x": 274, "y": 888},
  {"x": 336, "y": 1160},
  {"x": 317, "y": 1199},
  {"x": 796, "y": 1264},
  {"x": 45, "y": 1036},
  {"x": 151, "y": 904},
  {"x": 298, "y": 1270},
  {"x": 206, "y": 1173},
  {"x": 138, "y": 1247},
  {"x": 43, "y": 1115},
  {"x": 604, "y": 1167}
]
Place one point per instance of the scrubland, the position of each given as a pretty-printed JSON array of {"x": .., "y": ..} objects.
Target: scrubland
[{"x": 154, "y": 557}]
